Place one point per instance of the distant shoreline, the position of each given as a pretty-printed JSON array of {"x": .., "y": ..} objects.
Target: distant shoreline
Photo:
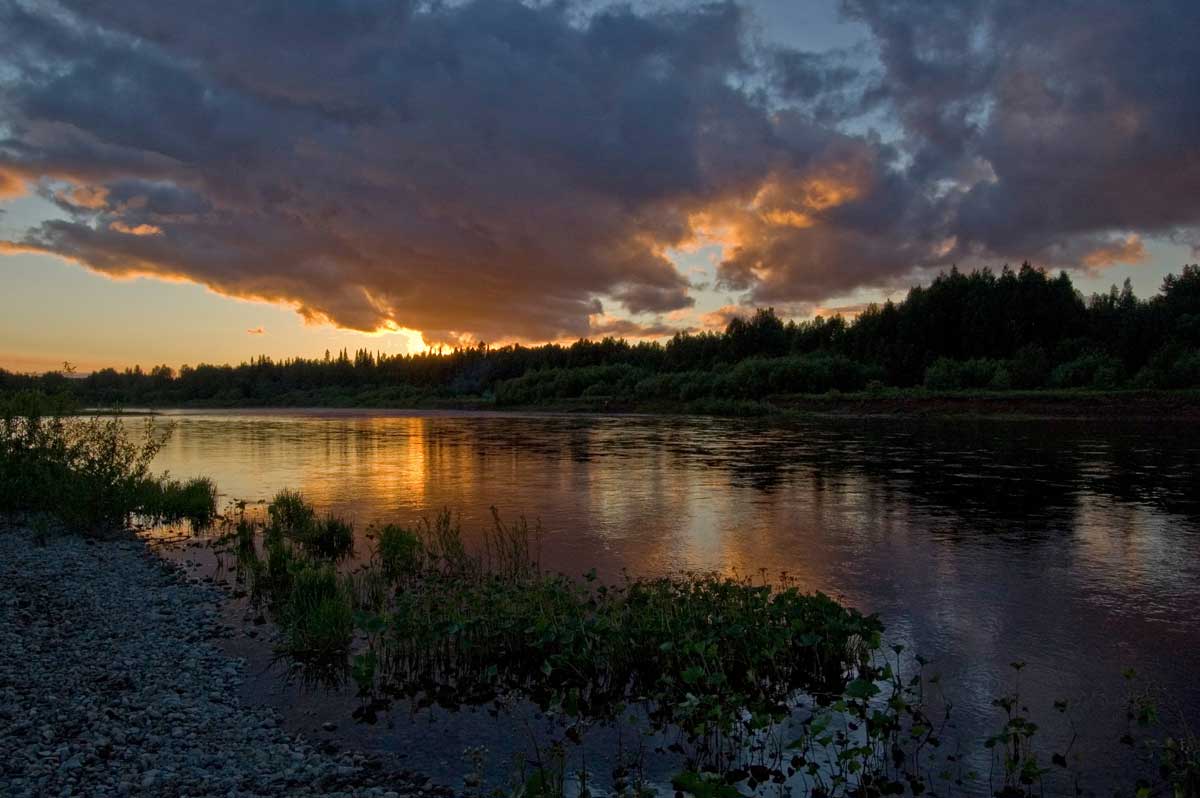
[{"x": 1143, "y": 405}]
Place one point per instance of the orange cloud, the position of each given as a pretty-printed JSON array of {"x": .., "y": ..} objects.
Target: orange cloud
[
  {"x": 798, "y": 201},
  {"x": 1129, "y": 249},
  {"x": 136, "y": 230},
  {"x": 16, "y": 248},
  {"x": 782, "y": 201},
  {"x": 10, "y": 185},
  {"x": 719, "y": 319},
  {"x": 91, "y": 197}
]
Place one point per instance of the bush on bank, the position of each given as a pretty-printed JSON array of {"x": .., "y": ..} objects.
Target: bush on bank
[{"x": 88, "y": 472}]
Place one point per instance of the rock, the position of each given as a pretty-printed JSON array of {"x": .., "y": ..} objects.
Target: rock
[{"x": 110, "y": 686}]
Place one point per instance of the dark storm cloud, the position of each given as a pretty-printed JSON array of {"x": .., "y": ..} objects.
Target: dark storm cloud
[
  {"x": 1063, "y": 133},
  {"x": 502, "y": 170},
  {"x": 627, "y": 328},
  {"x": 1067, "y": 124}
]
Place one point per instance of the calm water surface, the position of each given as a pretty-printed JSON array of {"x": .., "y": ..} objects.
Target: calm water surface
[{"x": 1072, "y": 546}]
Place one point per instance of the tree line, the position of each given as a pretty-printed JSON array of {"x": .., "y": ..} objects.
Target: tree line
[{"x": 982, "y": 330}]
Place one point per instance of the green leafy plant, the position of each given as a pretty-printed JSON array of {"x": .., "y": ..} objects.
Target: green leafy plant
[{"x": 87, "y": 471}]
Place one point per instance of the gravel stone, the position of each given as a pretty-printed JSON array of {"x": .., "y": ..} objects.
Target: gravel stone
[{"x": 111, "y": 685}]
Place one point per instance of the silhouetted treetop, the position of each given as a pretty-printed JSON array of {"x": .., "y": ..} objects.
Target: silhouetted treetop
[{"x": 1020, "y": 328}]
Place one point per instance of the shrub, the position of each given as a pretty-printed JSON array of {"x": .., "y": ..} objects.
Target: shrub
[
  {"x": 942, "y": 375},
  {"x": 691, "y": 385},
  {"x": 34, "y": 455},
  {"x": 656, "y": 387},
  {"x": 1091, "y": 370},
  {"x": 1029, "y": 367},
  {"x": 88, "y": 472},
  {"x": 546, "y": 385},
  {"x": 1185, "y": 371},
  {"x": 945, "y": 374},
  {"x": 1002, "y": 380},
  {"x": 106, "y": 471},
  {"x": 598, "y": 390},
  {"x": 819, "y": 372}
]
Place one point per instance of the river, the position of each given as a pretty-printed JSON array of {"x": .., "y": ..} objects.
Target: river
[{"x": 1071, "y": 546}]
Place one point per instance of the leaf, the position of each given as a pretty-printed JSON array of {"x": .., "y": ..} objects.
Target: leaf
[
  {"x": 862, "y": 689},
  {"x": 703, "y": 786}
]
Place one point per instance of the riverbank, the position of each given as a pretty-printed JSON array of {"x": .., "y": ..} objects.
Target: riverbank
[
  {"x": 113, "y": 684},
  {"x": 1126, "y": 405},
  {"x": 916, "y": 402}
]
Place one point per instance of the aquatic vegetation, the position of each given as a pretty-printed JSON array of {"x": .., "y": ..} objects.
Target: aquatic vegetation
[
  {"x": 317, "y": 616},
  {"x": 754, "y": 687},
  {"x": 715, "y": 658},
  {"x": 289, "y": 514},
  {"x": 275, "y": 580},
  {"x": 399, "y": 552},
  {"x": 369, "y": 589},
  {"x": 468, "y": 629},
  {"x": 1169, "y": 750},
  {"x": 165, "y": 500},
  {"x": 328, "y": 538}
]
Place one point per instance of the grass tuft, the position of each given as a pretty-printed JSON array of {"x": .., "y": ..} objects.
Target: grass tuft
[
  {"x": 289, "y": 514},
  {"x": 318, "y": 617},
  {"x": 166, "y": 500},
  {"x": 399, "y": 552}
]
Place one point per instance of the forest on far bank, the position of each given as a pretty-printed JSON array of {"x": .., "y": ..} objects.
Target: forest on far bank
[{"x": 1018, "y": 329}]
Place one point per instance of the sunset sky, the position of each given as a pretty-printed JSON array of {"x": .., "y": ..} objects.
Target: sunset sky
[{"x": 199, "y": 181}]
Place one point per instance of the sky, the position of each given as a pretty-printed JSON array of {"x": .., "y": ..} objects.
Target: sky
[{"x": 185, "y": 182}]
